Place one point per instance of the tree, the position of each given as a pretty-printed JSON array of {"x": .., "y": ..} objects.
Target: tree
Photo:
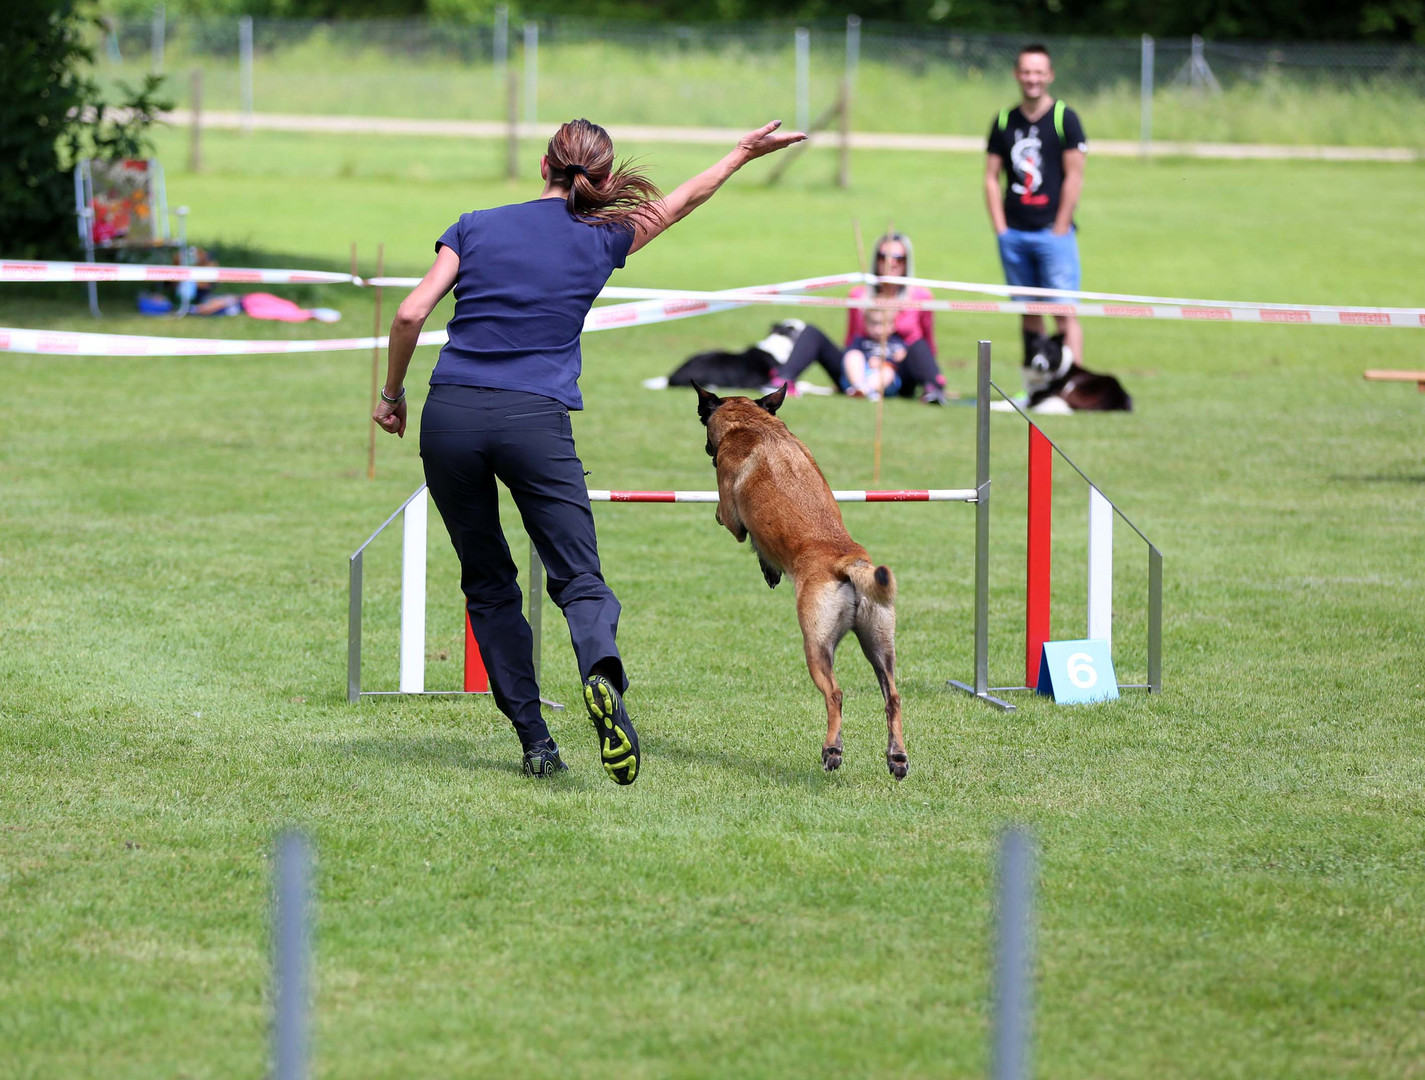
[{"x": 51, "y": 114}]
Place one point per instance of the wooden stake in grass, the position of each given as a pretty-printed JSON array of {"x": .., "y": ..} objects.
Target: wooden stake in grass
[
  {"x": 375, "y": 363},
  {"x": 875, "y": 366}
]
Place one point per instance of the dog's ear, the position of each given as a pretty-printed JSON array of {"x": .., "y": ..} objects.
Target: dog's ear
[
  {"x": 707, "y": 402},
  {"x": 1059, "y": 338},
  {"x": 773, "y": 401}
]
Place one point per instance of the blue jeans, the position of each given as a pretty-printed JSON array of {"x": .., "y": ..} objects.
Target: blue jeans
[{"x": 1040, "y": 259}]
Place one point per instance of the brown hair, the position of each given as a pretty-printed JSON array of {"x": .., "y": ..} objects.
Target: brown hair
[
  {"x": 581, "y": 158},
  {"x": 1042, "y": 50}
]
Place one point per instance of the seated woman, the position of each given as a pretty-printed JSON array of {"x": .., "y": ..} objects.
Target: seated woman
[{"x": 915, "y": 328}]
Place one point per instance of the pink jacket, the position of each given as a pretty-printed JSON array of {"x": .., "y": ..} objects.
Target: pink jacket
[{"x": 910, "y": 325}]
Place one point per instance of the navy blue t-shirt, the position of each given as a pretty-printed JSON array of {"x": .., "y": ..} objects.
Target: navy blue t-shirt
[{"x": 528, "y": 275}]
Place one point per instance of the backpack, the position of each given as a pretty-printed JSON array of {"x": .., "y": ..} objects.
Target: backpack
[{"x": 1059, "y": 108}]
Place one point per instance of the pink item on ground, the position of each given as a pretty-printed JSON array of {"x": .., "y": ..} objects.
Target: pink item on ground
[{"x": 261, "y": 305}]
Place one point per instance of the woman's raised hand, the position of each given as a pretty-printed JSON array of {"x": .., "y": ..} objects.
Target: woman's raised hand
[{"x": 756, "y": 144}]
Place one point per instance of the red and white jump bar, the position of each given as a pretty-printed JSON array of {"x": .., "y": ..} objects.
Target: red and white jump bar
[{"x": 919, "y": 495}]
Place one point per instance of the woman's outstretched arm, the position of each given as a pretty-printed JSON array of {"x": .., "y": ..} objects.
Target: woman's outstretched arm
[{"x": 691, "y": 194}]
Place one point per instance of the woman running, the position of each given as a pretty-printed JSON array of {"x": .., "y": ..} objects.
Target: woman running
[{"x": 525, "y": 276}]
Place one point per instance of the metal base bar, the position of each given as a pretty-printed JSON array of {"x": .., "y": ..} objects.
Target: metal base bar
[
  {"x": 546, "y": 702},
  {"x": 998, "y": 703}
]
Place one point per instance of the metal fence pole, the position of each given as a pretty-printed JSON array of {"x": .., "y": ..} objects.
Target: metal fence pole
[
  {"x": 512, "y": 124},
  {"x": 982, "y": 520},
  {"x": 501, "y": 43},
  {"x": 1014, "y": 958},
  {"x": 531, "y": 72},
  {"x": 291, "y": 959},
  {"x": 195, "y": 124},
  {"x": 245, "y": 69},
  {"x": 156, "y": 39},
  {"x": 1155, "y": 620},
  {"x": 1145, "y": 123},
  {"x": 853, "y": 45},
  {"x": 803, "y": 54},
  {"x": 353, "y": 630}
]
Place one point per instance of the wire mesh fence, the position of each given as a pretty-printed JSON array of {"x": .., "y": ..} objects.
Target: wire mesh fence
[{"x": 905, "y": 79}]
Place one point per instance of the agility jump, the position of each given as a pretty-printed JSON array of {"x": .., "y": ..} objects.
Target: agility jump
[{"x": 414, "y": 513}]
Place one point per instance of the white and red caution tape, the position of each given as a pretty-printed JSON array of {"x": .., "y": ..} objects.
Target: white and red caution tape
[
  {"x": 922, "y": 495},
  {"x": 1291, "y": 313},
  {"x": 80, "y": 343},
  {"x": 18, "y": 270},
  {"x": 65, "y": 343},
  {"x": 665, "y": 305}
]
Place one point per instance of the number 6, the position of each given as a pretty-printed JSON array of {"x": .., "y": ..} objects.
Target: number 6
[{"x": 1081, "y": 670}]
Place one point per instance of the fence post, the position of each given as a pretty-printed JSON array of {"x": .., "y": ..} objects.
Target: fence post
[
  {"x": 853, "y": 44},
  {"x": 512, "y": 117},
  {"x": 843, "y": 173},
  {"x": 156, "y": 39},
  {"x": 531, "y": 72},
  {"x": 291, "y": 956},
  {"x": 245, "y": 69},
  {"x": 803, "y": 55},
  {"x": 195, "y": 123},
  {"x": 501, "y": 43},
  {"x": 1145, "y": 124}
]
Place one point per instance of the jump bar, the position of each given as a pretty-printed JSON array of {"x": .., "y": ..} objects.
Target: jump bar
[{"x": 966, "y": 495}]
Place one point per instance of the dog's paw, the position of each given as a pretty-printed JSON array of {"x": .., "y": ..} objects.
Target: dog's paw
[
  {"x": 831, "y": 758},
  {"x": 898, "y": 763}
]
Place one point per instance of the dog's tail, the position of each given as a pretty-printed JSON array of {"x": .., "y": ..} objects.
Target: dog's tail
[{"x": 876, "y": 583}]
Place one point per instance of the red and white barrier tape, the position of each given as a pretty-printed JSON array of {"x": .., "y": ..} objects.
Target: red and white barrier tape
[
  {"x": 923, "y": 495},
  {"x": 678, "y": 304},
  {"x": 79, "y": 343},
  {"x": 665, "y": 305},
  {"x": 15, "y": 270},
  {"x": 1129, "y": 298}
]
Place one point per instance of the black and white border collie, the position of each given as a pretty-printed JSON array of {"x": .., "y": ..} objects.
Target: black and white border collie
[
  {"x": 1056, "y": 383},
  {"x": 751, "y": 368}
]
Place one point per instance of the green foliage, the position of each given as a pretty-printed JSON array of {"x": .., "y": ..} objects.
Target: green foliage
[
  {"x": 51, "y": 114},
  {"x": 42, "y": 56}
]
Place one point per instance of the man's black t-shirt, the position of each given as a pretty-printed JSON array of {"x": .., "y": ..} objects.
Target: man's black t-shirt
[{"x": 1033, "y": 153}]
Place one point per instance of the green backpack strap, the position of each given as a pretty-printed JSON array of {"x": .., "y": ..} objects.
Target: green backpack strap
[
  {"x": 1003, "y": 119},
  {"x": 1059, "y": 120}
]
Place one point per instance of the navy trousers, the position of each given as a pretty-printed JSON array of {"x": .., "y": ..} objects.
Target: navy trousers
[{"x": 471, "y": 436}]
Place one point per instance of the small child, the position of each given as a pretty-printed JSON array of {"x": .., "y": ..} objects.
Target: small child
[{"x": 871, "y": 363}]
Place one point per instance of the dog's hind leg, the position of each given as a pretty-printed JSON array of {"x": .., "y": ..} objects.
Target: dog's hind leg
[
  {"x": 825, "y": 616},
  {"x": 876, "y": 631}
]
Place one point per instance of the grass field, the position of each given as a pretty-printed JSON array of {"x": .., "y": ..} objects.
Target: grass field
[{"x": 1231, "y": 873}]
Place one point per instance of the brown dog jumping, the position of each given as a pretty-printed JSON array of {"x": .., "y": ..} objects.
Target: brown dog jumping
[{"x": 770, "y": 488}]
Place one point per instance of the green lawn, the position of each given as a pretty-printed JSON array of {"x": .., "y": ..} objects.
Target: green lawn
[{"x": 1231, "y": 873}]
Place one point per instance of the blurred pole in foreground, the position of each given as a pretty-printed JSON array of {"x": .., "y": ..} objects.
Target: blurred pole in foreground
[
  {"x": 1014, "y": 958},
  {"x": 291, "y": 956}
]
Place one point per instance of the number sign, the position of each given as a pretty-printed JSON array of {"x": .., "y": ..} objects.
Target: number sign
[{"x": 1077, "y": 672}]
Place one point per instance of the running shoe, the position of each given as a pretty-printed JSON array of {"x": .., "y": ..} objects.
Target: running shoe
[
  {"x": 618, "y": 742},
  {"x": 542, "y": 760}
]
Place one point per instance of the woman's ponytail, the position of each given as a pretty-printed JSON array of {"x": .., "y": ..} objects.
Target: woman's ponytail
[{"x": 581, "y": 156}]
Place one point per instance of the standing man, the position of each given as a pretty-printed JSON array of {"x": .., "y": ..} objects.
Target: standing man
[{"x": 1042, "y": 144}]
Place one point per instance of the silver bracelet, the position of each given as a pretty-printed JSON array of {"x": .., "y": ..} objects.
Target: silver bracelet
[{"x": 393, "y": 400}]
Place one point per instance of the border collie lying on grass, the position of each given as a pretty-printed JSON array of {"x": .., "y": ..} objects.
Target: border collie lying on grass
[
  {"x": 1057, "y": 384},
  {"x": 753, "y": 367}
]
